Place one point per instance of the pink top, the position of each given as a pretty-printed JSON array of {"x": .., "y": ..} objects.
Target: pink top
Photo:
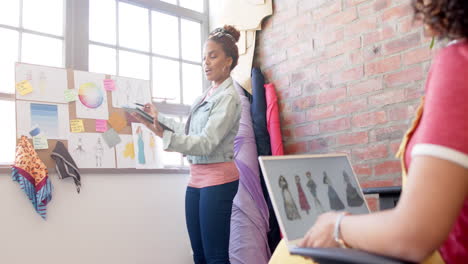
[
  {"x": 205, "y": 175},
  {"x": 443, "y": 132}
]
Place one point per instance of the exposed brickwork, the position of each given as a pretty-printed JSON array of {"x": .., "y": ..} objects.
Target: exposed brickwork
[{"x": 349, "y": 74}]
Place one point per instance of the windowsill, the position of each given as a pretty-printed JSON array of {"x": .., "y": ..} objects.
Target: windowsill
[{"x": 5, "y": 169}]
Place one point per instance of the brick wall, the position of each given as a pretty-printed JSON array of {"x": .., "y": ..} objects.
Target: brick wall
[{"x": 349, "y": 74}]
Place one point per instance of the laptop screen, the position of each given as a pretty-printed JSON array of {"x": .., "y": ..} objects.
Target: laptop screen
[{"x": 304, "y": 186}]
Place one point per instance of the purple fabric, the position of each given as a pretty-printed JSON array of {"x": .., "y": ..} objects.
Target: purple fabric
[{"x": 249, "y": 220}]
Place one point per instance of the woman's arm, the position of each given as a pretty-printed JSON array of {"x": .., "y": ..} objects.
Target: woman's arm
[
  {"x": 222, "y": 119},
  {"x": 428, "y": 207}
]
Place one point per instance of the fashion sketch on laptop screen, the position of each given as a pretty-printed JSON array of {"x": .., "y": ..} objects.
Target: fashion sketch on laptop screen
[{"x": 302, "y": 187}]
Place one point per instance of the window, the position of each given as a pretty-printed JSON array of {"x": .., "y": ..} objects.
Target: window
[
  {"x": 27, "y": 36},
  {"x": 160, "y": 42}
]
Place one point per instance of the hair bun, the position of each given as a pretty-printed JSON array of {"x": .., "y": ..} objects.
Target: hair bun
[{"x": 232, "y": 31}]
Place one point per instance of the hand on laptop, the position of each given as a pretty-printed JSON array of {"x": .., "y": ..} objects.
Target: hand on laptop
[{"x": 320, "y": 235}]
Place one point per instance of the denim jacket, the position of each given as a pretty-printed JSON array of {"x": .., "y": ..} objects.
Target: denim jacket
[{"x": 208, "y": 136}]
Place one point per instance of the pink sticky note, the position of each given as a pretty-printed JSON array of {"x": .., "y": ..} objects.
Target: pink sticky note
[
  {"x": 109, "y": 85},
  {"x": 101, "y": 125}
]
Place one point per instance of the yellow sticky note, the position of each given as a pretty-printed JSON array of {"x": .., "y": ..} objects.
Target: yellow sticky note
[
  {"x": 40, "y": 142},
  {"x": 88, "y": 84},
  {"x": 76, "y": 126},
  {"x": 24, "y": 87},
  {"x": 70, "y": 95}
]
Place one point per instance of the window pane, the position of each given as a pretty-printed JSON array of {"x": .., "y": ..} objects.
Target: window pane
[
  {"x": 44, "y": 16},
  {"x": 7, "y": 140},
  {"x": 8, "y": 55},
  {"x": 166, "y": 80},
  {"x": 133, "y": 27},
  {"x": 192, "y": 84},
  {"x": 191, "y": 40},
  {"x": 102, "y": 21},
  {"x": 174, "y": 2},
  {"x": 9, "y": 12},
  {"x": 196, "y": 5},
  {"x": 102, "y": 59},
  {"x": 133, "y": 65},
  {"x": 41, "y": 50},
  {"x": 165, "y": 34}
]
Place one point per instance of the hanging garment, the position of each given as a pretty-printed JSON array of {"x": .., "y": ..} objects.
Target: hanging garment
[
  {"x": 32, "y": 175},
  {"x": 65, "y": 165},
  {"x": 273, "y": 120},
  {"x": 335, "y": 201},
  {"x": 313, "y": 190},
  {"x": 249, "y": 220},
  {"x": 353, "y": 197},
  {"x": 289, "y": 205}
]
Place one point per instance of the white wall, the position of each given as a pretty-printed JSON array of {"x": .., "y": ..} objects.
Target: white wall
[{"x": 118, "y": 219}]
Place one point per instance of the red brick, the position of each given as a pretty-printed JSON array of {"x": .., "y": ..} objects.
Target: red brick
[
  {"x": 352, "y": 74},
  {"x": 298, "y": 77},
  {"x": 409, "y": 24},
  {"x": 380, "y": 34},
  {"x": 394, "y": 147},
  {"x": 405, "y": 76},
  {"x": 387, "y": 97},
  {"x": 387, "y": 133},
  {"x": 352, "y": 138},
  {"x": 335, "y": 125},
  {"x": 397, "y": 12},
  {"x": 303, "y": 103},
  {"x": 365, "y": 87},
  {"x": 354, "y": 2},
  {"x": 283, "y": 16},
  {"x": 283, "y": 83},
  {"x": 285, "y": 92},
  {"x": 372, "y": 52},
  {"x": 366, "y": 9},
  {"x": 331, "y": 65},
  {"x": 381, "y": 4},
  {"x": 343, "y": 47},
  {"x": 350, "y": 107},
  {"x": 362, "y": 169},
  {"x": 382, "y": 66},
  {"x": 355, "y": 57},
  {"x": 373, "y": 204},
  {"x": 298, "y": 49},
  {"x": 374, "y": 184},
  {"x": 370, "y": 152},
  {"x": 318, "y": 113},
  {"x": 331, "y": 95},
  {"x": 325, "y": 11},
  {"x": 369, "y": 119},
  {"x": 293, "y": 118},
  {"x": 399, "y": 113},
  {"x": 321, "y": 144},
  {"x": 416, "y": 56},
  {"x": 306, "y": 5},
  {"x": 361, "y": 26},
  {"x": 300, "y": 22},
  {"x": 327, "y": 38},
  {"x": 274, "y": 58},
  {"x": 307, "y": 130},
  {"x": 414, "y": 93},
  {"x": 387, "y": 167},
  {"x": 402, "y": 44},
  {"x": 295, "y": 148},
  {"x": 341, "y": 18}
]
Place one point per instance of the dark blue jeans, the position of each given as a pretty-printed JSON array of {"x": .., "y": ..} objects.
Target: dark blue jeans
[{"x": 208, "y": 216}]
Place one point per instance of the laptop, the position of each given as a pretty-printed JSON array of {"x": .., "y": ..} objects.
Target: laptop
[{"x": 302, "y": 187}]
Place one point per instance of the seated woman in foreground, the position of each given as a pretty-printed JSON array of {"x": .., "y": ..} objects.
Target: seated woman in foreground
[{"x": 430, "y": 222}]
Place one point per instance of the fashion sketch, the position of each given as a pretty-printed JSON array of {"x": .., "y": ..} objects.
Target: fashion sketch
[
  {"x": 141, "y": 146},
  {"x": 289, "y": 205},
  {"x": 353, "y": 197},
  {"x": 152, "y": 144},
  {"x": 302, "y": 197},
  {"x": 335, "y": 201},
  {"x": 42, "y": 82},
  {"x": 99, "y": 148},
  {"x": 313, "y": 190},
  {"x": 79, "y": 150}
]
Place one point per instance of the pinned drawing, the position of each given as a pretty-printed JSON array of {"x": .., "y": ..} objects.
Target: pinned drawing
[
  {"x": 353, "y": 197},
  {"x": 92, "y": 97},
  {"x": 51, "y": 119},
  {"x": 148, "y": 147},
  {"x": 48, "y": 83},
  {"x": 335, "y": 201},
  {"x": 125, "y": 152},
  {"x": 129, "y": 91},
  {"x": 289, "y": 205},
  {"x": 90, "y": 151}
]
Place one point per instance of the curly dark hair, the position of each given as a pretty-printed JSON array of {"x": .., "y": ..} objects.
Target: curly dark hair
[
  {"x": 448, "y": 18},
  {"x": 227, "y": 36}
]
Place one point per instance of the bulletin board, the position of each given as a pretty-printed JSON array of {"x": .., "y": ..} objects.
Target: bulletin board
[{"x": 84, "y": 111}]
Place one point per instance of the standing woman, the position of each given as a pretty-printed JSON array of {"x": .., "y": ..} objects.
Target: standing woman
[{"x": 208, "y": 141}]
